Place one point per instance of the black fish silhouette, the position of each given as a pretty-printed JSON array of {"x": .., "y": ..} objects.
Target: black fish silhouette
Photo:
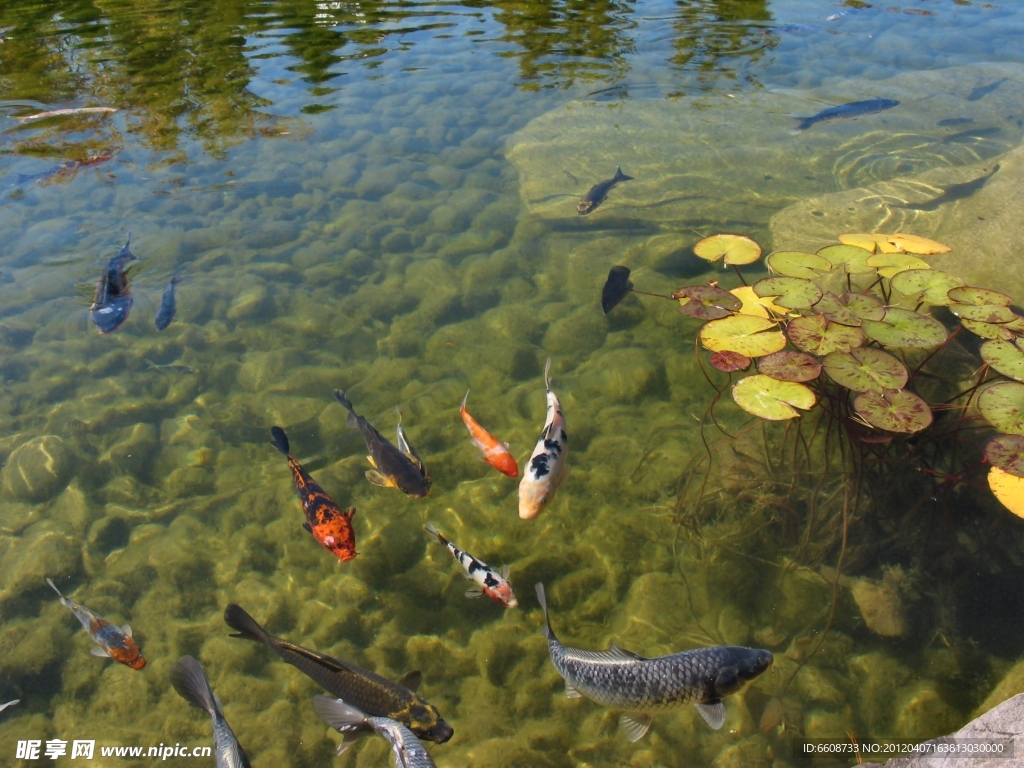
[
  {"x": 113, "y": 300},
  {"x": 168, "y": 306},
  {"x": 845, "y": 111},
  {"x": 953, "y": 192},
  {"x": 597, "y": 193},
  {"x": 615, "y": 288}
]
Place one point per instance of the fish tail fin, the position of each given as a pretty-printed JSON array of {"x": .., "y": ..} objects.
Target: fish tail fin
[
  {"x": 338, "y": 714},
  {"x": 192, "y": 685},
  {"x": 620, "y": 176},
  {"x": 803, "y": 125},
  {"x": 54, "y": 586},
  {"x": 543, "y": 600},
  {"x": 464, "y": 401},
  {"x": 435, "y": 534},
  {"x": 245, "y": 625},
  {"x": 341, "y": 397},
  {"x": 280, "y": 440},
  {"x": 547, "y": 375}
]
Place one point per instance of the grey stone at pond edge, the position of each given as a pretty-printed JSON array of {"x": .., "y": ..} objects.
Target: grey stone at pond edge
[
  {"x": 37, "y": 470},
  {"x": 1004, "y": 722}
]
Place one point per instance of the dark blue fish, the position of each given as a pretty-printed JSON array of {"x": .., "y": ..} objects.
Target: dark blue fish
[
  {"x": 845, "y": 111},
  {"x": 168, "y": 306},
  {"x": 597, "y": 193},
  {"x": 113, "y": 300},
  {"x": 954, "y": 121}
]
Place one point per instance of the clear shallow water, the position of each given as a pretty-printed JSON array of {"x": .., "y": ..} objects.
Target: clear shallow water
[{"x": 333, "y": 182}]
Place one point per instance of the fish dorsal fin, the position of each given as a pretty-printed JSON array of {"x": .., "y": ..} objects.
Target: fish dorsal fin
[
  {"x": 713, "y": 713},
  {"x": 411, "y": 680},
  {"x": 635, "y": 726},
  {"x": 127, "y": 630},
  {"x": 103, "y": 653},
  {"x": 617, "y": 652},
  {"x": 571, "y": 692}
]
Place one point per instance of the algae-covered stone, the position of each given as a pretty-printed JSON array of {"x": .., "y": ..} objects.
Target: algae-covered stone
[
  {"x": 46, "y": 549},
  {"x": 576, "y": 336},
  {"x": 39, "y": 469},
  {"x": 1011, "y": 684},
  {"x": 133, "y": 451},
  {"x": 878, "y": 676},
  {"x": 922, "y": 713}
]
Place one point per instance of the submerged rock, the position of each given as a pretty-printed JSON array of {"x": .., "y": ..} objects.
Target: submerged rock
[{"x": 38, "y": 470}]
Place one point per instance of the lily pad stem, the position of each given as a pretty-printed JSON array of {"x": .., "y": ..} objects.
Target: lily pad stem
[
  {"x": 739, "y": 274},
  {"x": 659, "y": 295}
]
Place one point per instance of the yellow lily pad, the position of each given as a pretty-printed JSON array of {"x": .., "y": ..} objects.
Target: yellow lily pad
[
  {"x": 1009, "y": 489},
  {"x": 889, "y": 264},
  {"x": 736, "y": 249},
  {"x": 896, "y": 243},
  {"x": 772, "y": 399},
  {"x": 758, "y": 306},
  {"x": 746, "y": 334}
]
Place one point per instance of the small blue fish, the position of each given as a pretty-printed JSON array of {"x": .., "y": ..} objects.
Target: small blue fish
[
  {"x": 168, "y": 306},
  {"x": 845, "y": 112}
]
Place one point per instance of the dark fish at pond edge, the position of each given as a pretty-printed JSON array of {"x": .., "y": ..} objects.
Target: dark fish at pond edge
[
  {"x": 615, "y": 288},
  {"x": 168, "y": 306},
  {"x": 113, "y": 300},
  {"x": 981, "y": 91},
  {"x": 407, "y": 750},
  {"x": 179, "y": 367},
  {"x": 971, "y": 133},
  {"x": 393, "y": 467},
  {"x": 620, "y": 679},
  {"x": 845, "y": 112},
  {"x": 191, "y": 683},
  {"x": 950, "y": 121},
  {"x": 597, "y": 193},
  {"x": 366, "y": 690},
  {"x": 952, "y": 193}
]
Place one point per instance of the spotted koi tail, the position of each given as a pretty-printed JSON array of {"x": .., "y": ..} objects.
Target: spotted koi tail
[{"x": 280, "y": 440}]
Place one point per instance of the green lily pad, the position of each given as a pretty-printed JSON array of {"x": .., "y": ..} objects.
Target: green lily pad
[
  {"x": 816, "y": 335},
  {"x": 1004, "y": 357},
  {"x": 894, "y": 410},
  {"x": 1002, "y": 405},
  {"x": 770, "y": 398},
  {"x": 849, "y": 258},
  {"x": 1016, "y": 325},
  {"x": 797, "y": 264},
  {"x": 736, "y": 249},
  {"x": 747, "y": 334},
  {"x": 790, "y": 366},
  {"x": 889, "y": 264},
  {"x": 850, "y": 308},
  {"x": 789, "y": 292},
  {"x": 865, "y": 369},
  {"x": 905, "y": 329},
  {"x": 1007, "y": 453},
  {"x": 983, "y": 313},
  {"x": 978, "y": 296},
  {"x": 706, "y": 302},
  {"x": 988, "y": 330},
  {"x": 727, "y": 362},
  {"x": 931, "y": 283}
]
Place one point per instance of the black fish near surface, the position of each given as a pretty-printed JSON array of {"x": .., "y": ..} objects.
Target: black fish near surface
[
  {"x": 366, "y": 690},
  {"x": 597, "y": 193},
  {"x": 113, "y": 300},
  {"x": 845, "y": 112},
  {"x": 168, "y": 305},
  {"x": 952, "y": 193},
  {"x": 615, "y": 288}
]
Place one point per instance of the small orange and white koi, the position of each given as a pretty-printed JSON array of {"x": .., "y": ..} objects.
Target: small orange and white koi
[
  {"x": 495, "y": 453},
  {"x": 547, "y": 468},
  {"x": 115, "y": 642},
  {"x": 492, "y": 583}
]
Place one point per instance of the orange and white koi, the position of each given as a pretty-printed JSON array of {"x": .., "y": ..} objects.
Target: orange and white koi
[
  {"x": 495, "y": 453},
  {"x": 490, "y": 582},
  {"x": 115, "y": 642},
  {"x": 547, "y": 468}
]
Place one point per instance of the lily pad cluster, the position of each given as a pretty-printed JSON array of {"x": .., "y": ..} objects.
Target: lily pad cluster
[{"x": 848, "y": 324}]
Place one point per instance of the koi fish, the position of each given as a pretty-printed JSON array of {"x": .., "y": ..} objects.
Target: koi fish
[
  {"x": 325, "y": 520},
  {"x": 496, "y": 454},
  {"x": 406, "y": 748},
  {"x": 393, "y": 467},
  {"x": 9, "y": 704},
  {"x": 192, "y": 685},
  {"x": 492, "y": 583},
  {"x": 113, "y": 300},
  {"x": 547, "y": 468},
  {"x": 112, "y": 641}
]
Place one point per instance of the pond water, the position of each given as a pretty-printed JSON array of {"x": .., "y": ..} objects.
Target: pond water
[{"x": 381, "y": 198}]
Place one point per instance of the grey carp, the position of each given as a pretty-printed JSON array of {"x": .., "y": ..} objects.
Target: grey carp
[
  {"x": 597, "y": 193},
  {"x": 168, "y": 305},
  {"x": 845, "y": 111},
  {"x": 352, "y": 722},
  {"x": 624, "y": 680},
  {"x": 192, "y": 685}
]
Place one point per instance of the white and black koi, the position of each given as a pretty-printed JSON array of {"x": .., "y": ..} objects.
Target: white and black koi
[
  {"x": 492, "y": 583},
  {"x": 547, "y": 468}
]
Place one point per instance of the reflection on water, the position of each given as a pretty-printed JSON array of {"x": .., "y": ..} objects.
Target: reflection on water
[{"x": 381, "y": 198}]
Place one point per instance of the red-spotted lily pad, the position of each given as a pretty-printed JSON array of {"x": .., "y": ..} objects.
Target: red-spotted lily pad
[
  {"x": 1004, "y": 357},
  {"x": 865, "y": 369},
  {"x": 816, "y": 335},
  {"x": 894, "y": 410},
  {"x": 932, "y": 284},
  {"x": 889, "y": 264},
  {"x": 706, "y": 302},
  {"x": 797, "y": 264},
  {"x": 850, "y": 308},
  {"x": 967, "y": 294},
  {"x": 770, "y": 398},
  {"x": 790, "y": 366},
  {"x": 1002, "y": 405},
  {"x": 983, "y": 313},
  {"x": 905, "y": 329},
  {"x": 988, "y": 330},
  {"x": 1007, "y": 453},
  {"x": 848, "y": 258},
  {"x": 749, "y": 335},
  {"x": 1009, "y": 489},
  {"x": 789, "y": 292},
  {"x": 736, "y": 249},
  {"x": 727, "y": 362}
]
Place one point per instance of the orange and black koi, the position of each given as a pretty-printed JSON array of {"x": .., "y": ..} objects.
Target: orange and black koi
[
  {"x": 325, "y": 520},
  {"x": 112, "y": 641}
]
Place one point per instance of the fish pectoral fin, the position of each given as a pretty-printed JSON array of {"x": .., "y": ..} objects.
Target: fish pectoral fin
[
  {"x": 635, "y": 726},
  {"x": 350, "y": 738},
  {"x": 378, "y": 479},
  {"x": 474, "y": 592},
  {"x": 503, "y": 571},
  {"x": 372, "y": 462},
  {"x": 571, "y": 692},
  {"x": 103, "y": 653},
  {"x": 127, "y": 630},
  {"x": 308, "y": 527},
  {"x": 618, "y": 652},
  {"x": 712, "y": 712},
  {"x": 411, "y": 680}
]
